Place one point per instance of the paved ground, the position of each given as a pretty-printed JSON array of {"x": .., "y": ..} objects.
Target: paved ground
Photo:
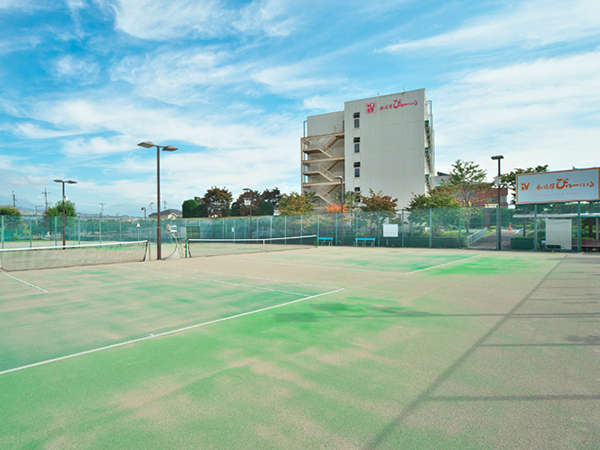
[{"x": 421, "y": 349}]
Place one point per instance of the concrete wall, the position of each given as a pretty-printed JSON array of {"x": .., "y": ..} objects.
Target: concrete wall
[
  {"x": 392, "y": 142},
  {"x": 325, "y": 123}
]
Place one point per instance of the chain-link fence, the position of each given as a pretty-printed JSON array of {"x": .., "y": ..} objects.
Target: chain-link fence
[{"x": 522, "y": 228}]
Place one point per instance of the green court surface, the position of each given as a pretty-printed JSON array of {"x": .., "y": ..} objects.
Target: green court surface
[{"x": 321, "y": 347}]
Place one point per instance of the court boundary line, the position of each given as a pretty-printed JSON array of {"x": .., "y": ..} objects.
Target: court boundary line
[
  {"x": 358, "y": 269},
  {"x": 25, "y": 282},
  {"x": 443, "y": 264},
  {"x": 166, "y": 333}
]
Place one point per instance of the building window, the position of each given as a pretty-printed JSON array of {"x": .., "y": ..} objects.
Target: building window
[
  {"x": 356, "y": 169},
  {"x": 357, "y": 190},
  {"x": 356, "y": 120},
  {"x": 356, "y": 145}
]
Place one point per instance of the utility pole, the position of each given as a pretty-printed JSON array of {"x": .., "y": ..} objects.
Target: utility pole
[
  {"x": 45, "y": 192},
  {"x": 14, "y": 199},
  {"x": 102, "y": 208}
]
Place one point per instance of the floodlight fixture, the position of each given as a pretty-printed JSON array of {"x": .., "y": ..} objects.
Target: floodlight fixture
[
  {"x": 498, "y": 212},
  {"x": 165, "y": 148},
  {"x": 64, "y": 198}
]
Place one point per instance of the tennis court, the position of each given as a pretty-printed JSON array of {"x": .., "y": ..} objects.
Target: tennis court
[{"x": 314, "y": 347}]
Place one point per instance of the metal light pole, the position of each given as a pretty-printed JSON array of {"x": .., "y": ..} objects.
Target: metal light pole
[
  {"x": 498, "y": 212},
  {"x": 164, "y": 148},
  {"x": 64, "y": 241},
  {"x": 144, "y": 209}
]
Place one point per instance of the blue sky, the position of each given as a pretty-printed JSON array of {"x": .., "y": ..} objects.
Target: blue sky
[{"x": 229, "y": 83}]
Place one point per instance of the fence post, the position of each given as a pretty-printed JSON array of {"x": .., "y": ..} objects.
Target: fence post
[
  {"x": 430, "y": 228},
  {"x": 54, "y": 232},
  {"x": 301, "y": 225},
  {"x": 79, "y": 230},
  {"x": 578, "y": 226},
  {"x": 535, "y": 228},
  {"x": 100, "y": 228},
  {"x": 402, "y": 228},
  {"x": 30, "y": 233},
  {"x": 318, "y": 227},
  {"x": 120, "y": 231},
  {"x": 2, "y": 230},
  {"x": 336, "y": 229},
  {"x": 459, "y": 226}
]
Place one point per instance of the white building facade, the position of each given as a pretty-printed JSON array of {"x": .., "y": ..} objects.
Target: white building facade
[{"x": 383, "y": 143}]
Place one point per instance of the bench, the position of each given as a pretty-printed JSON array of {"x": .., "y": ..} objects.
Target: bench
[
  {"x": 589, "y": 244},
  {"x": 324, "y": 240},
  {"x": 364, "y": 241}
]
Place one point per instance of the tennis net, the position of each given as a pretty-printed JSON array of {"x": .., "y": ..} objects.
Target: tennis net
[
  {"x": 215, "y": 247},
  {"x": 30, "y": 258}
]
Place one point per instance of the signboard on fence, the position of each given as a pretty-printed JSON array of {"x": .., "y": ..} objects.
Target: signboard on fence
[
  {"x": 390, "y": 230},
  {"x": 564, "y": 186}
]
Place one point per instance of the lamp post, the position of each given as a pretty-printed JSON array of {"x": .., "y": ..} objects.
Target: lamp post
[
  {"x": 164, "y": 148},
  {"x": 64, "y": 241},
  {"x": 143, "y": 208},
  {"x": 498, "y": 213}
]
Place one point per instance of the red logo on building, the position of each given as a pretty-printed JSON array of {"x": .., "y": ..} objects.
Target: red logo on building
[{"x": 370, "y": 108}]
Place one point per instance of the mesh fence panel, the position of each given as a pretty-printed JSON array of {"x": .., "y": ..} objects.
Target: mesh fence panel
[{"x": 523, "y": 227}]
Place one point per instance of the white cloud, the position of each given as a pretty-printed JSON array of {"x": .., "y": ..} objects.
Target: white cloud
[
  {"x": 169, "y": 19},
  {"x": 265, "y": 15},
  {"x": 543, "y": 111},
  {"x": 84, "y": 70},
  {"x": 533, "y": 23}
]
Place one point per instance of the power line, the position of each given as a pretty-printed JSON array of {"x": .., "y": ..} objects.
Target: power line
[{"x": 45, "y": 192}]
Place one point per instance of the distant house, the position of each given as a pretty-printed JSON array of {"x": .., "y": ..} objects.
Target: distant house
[{"x": 166, "y": 213}]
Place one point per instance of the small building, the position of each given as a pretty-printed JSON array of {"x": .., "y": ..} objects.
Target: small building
[{"x": 166, "y": 213}]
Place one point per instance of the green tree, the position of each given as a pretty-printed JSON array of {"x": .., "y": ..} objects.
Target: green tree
[
  {"x": 295, "y": 203},
  {"x": 376, "y": 201},
  {"x": 217, "y": 201},
  {"x": 270, "y": 198},
  {"x": 466, "y": 181},
  {"x": 194, "y": 208},
  {"x": 57, "y": 209},
  {"x": 9, "y": 211},
  {"x": 510, "y": 179},
  {"x": 239, "y": 207},
  {"x": 442, "y": 201}
]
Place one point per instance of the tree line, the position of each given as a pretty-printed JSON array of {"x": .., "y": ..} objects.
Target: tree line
[{"x": 218, "y": 202}]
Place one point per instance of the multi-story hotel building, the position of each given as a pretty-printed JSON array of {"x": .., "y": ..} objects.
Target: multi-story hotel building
[{"x": 383, "y": 143}]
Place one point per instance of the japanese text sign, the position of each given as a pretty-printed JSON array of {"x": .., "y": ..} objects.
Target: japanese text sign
[{"x": 565, "y": 186}]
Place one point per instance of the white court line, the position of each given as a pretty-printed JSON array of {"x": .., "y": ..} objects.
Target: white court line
[
  {"x": 166, "y": 333},
  {"x": 251, "y": 286},
  {"x": 25, "y": 282},
  {"x": 442, "y": 264}
]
